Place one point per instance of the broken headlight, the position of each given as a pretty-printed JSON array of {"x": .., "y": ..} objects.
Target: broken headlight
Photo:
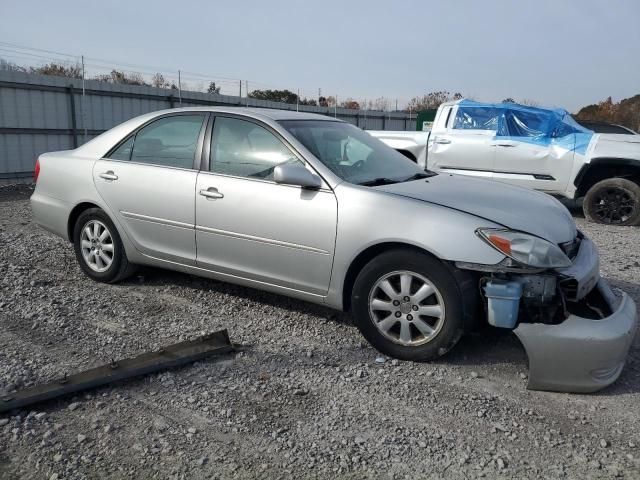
[{"x": 525, "y": 249}]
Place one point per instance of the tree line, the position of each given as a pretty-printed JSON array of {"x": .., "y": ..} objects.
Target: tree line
[{"x": 626, "y": 112}]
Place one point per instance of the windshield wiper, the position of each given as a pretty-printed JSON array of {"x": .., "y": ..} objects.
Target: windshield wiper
[
  {"x": 419, "y": 175},
  {"x": 378, "y": 181}
]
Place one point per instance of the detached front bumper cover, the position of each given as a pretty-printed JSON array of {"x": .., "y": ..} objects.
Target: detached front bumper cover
[{"x": 580, "y": 355}]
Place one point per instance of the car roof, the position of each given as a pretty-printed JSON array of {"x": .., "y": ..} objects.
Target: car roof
[
  {"x": 260, "y": 113},
  {"x": 98, "y": 146}
]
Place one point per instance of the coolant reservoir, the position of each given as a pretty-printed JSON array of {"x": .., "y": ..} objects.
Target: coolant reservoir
[{"x": 504, "y": 300}]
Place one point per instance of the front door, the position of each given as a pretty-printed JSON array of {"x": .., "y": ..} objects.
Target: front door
[
  {"x": 248, "y": 226},
  {"x": 531, "y": 152},
  {"x": 149, "y": 184}
]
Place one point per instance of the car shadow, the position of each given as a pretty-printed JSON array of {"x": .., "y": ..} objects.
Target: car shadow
[{"x": 486, "y": 346}]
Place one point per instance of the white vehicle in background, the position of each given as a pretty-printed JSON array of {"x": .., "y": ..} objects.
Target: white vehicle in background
[{"x": 540, "y": 148}]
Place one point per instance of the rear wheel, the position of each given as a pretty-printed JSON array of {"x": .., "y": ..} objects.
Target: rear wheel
[
  {"x": 98, "y": 247},
  {"x": 614, "y": 201},
  {"x": 408, "y": 305}
]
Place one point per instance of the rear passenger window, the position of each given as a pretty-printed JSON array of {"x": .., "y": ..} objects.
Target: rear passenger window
[
  {"x": 169, "y": 142},
  {"x": 123, "y": 152}
]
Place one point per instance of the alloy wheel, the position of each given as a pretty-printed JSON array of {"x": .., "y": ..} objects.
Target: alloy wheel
[
  {"x": 613, "y": 205},
  {"x": 406, "y": 308},
  {"x": 96, "y": 244}
]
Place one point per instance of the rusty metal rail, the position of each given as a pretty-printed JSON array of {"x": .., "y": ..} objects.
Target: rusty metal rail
[{"x": 170, "y": 356}]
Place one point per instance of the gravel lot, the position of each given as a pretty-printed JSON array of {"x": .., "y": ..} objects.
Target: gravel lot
[{"x": 305, "y": 398}]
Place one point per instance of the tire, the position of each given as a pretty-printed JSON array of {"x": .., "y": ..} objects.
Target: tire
[
  {"x": 373, "y": 315},
  {"x": 614, "y": 201},
  {"x": 112, "y": 264}
]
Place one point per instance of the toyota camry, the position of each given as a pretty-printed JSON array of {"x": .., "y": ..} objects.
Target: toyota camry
[{"x": 314, "y": 208}]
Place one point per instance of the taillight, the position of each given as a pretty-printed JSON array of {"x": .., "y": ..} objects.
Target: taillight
[{"x": 36, "y": 171}]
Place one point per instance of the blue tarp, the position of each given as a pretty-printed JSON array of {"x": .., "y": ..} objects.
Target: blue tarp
[{"x": 540, "y": 126}]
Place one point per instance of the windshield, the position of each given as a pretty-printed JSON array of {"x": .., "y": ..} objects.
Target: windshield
[{"x": 352, "y": 154}]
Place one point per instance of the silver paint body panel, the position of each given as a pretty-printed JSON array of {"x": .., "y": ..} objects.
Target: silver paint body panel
[{"x": 580, "y": 355}]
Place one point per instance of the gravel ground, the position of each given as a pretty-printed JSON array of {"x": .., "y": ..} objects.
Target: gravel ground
[{"x": 305, "y": 398}]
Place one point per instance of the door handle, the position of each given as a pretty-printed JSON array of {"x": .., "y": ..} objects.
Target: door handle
[
  {"x": 504, "y": 145},
  {"x": 108, "y": 175},
  {"x": 211, "y": 192},
  {"x": 443, "y": 141}
]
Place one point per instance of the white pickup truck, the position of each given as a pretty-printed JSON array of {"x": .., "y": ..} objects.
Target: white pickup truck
[{"x": 539, "y": 148}]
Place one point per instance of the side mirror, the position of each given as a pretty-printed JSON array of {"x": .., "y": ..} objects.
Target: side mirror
[{"x": 290, "y": 174}]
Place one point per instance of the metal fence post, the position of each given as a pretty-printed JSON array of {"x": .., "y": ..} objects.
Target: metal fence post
[{"x": 74, "y": 126}]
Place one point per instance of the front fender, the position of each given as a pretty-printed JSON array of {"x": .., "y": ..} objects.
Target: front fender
[{"x": 369, "y": 217}]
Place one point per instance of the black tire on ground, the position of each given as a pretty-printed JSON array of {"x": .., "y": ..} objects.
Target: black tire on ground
[
  {"x": 438, "y": 275},
  {"x": 120, "y": 268},
  {"x": 614, "y": 201}
]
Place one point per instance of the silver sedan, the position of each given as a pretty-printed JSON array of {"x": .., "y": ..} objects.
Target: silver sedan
[{"x": 314, "y": 208}]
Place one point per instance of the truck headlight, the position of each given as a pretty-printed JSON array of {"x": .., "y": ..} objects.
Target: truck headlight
[{"x": 525, "y": 249}]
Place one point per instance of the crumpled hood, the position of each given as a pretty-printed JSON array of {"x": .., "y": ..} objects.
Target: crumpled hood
[{"x": 514, "y": 207}]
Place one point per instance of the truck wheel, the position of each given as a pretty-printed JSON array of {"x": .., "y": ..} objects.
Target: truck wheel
[
  {"x": 408, "y": 305},
  {"x": 614, "y": 201}
]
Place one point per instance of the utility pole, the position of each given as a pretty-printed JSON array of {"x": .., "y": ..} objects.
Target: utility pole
[
  {"x": 335, "y": 108},
  {"x": 240, "y": 92},
  {"x": 298, "y": 101},
  {"x": 84, "y": 102},
  {"x": 179, "y": 88},
  {"x": 365, "y": 113},
  {"x": 247, "y": 90},
  {"x": 319, "y": 95}
]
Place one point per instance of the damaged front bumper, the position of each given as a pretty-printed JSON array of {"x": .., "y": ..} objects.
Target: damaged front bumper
[
  {"x": 576, "y": 331},
  {"x": 580, "y": 354}
]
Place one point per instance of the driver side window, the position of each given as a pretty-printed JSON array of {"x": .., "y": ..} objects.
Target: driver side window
[{"x": 245, "y": 149}]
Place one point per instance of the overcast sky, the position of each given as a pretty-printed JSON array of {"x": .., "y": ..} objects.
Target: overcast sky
[{"x": 558, "y": 53}]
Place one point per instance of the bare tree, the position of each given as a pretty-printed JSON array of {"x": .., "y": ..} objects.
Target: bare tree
[
  {"x": 530, "y": 103},
  {"x": 213, "y": 89},
  {"x": 10, "y": 66},
  {"x": 159, "y": 81},
  {"x": 59, "y": 70},
  {"x": 116, "y": 76},
  {"x": 350, "y": 103},
  {"x": 432, "y": 100},
  {"x": 381, "y": 103}
]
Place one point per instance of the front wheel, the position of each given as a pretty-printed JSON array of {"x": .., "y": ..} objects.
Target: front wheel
[
  {"x": 408, "y": 305},
  {"x": 614, "y": 201}
]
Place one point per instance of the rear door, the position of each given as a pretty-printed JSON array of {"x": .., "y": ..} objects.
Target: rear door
[
  {"x": 148, "y": 183},
  {"x": 465, "y": 144}
]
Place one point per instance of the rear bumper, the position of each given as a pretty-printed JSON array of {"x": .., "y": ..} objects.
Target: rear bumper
[
  {"x": 580, "y": 354},
  {"x": 51, "y": 214}
]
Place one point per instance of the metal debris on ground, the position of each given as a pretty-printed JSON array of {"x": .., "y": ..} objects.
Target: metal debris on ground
[{"x": 170, "y": 356}]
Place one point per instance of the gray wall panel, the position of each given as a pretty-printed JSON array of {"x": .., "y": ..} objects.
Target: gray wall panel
[{"x": 44, "y": 103}]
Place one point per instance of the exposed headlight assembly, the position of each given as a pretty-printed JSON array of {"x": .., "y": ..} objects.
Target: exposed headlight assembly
[{"x": 525, "y": 249}]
